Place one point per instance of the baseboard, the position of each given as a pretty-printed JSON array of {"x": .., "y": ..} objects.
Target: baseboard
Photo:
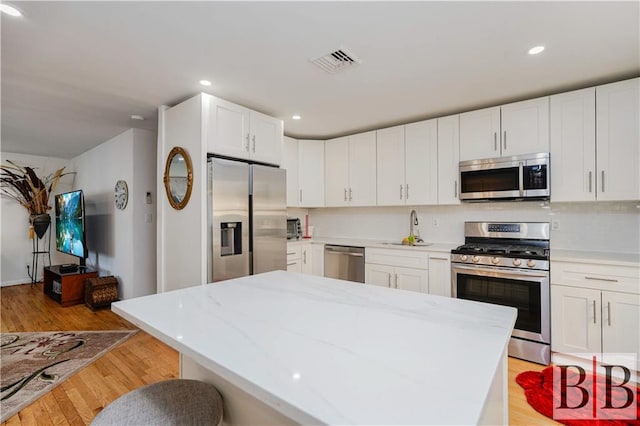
[{"x": 25, "y": 280}]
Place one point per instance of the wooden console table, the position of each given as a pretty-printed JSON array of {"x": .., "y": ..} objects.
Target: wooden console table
[{"x": 66, "y": 288}]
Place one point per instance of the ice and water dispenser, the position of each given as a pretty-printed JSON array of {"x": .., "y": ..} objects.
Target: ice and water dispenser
[{"x": 230, "y": 238}]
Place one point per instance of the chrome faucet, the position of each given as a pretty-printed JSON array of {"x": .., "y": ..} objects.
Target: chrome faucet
[{"x": 413, "y": 221}]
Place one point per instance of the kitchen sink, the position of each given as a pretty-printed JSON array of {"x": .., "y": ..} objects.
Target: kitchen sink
[{"x": 414, "y": 245}]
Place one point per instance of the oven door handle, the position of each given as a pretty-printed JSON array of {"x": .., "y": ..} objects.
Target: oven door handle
[{"x": 501, "y": 272}]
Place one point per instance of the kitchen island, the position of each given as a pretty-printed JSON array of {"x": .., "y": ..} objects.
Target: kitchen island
[{"x": 287, "y": 348}]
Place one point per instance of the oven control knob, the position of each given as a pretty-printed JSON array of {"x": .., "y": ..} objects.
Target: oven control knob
[
  {"x": 531, "y": 263},
  {"x": 463, "y": 257},
  {"x": 475, "y": 259},
  {"x": 495, "y": 260},
  {"x": 517, "y": 262}
]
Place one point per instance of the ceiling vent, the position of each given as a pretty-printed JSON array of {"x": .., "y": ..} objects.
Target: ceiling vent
[{"x": 335, "y": 61}]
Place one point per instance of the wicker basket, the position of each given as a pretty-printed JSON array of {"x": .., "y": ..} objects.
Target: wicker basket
[{"x": 100, "y": 292}]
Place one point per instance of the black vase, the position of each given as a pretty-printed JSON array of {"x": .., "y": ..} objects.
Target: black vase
[{"x": 40, "y": 223}]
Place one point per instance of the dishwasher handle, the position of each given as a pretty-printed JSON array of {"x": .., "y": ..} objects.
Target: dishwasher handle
[
  {"x": 345, "y": 250},
  {"x": 344, "y": 253}
]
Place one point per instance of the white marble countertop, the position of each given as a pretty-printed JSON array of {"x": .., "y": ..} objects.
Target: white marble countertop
[
  {"x": 367, "y": 243},
  {"x": 321, "y": 350},
  {"x": 603, "y": 258}
]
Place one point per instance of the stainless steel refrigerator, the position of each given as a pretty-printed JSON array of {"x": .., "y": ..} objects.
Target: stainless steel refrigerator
[{"x": 247, "y": 219}]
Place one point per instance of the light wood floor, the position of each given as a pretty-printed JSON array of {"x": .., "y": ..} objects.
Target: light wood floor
[{"x": 140, "y": 360}]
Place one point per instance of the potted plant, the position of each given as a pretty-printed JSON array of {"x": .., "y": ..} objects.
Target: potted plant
[{"x": 20, "y": 183}]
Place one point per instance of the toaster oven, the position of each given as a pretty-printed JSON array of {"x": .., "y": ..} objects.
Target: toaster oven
[{"x": 294, "y": 230}]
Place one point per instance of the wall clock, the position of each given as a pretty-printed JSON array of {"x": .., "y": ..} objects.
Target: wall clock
[{"x": 121, "y": 194}]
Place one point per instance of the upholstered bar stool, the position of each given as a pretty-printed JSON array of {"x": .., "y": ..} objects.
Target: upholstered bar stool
[{"x": 171, "y": 402}]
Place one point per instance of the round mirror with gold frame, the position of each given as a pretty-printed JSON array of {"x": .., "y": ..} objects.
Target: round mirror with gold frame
[{"x": 178, "y": 177}]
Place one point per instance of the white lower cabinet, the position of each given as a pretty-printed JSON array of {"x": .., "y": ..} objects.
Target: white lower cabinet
[
  {"x": 317, "y": 259},
  {"x": 409, "y": 269},
  {"x": 588, "y": 317},
  {"x": 440, "y": 274},
  {"x": 300, "y": 258},
  {"x": 294, "y": 255},
  {"x": 397, "y": 277}
]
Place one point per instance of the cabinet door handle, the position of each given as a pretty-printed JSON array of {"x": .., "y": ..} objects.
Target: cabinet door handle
[
  {"x": 253, "y": 138},
  {"x": 304, "y": 257},
  {"x": 401, "y": 191},
  {"x": 345, "y": 194},
  {"x": 350, "y": 197},
  {"x": 590, "y": 181},
  {"x": 291, "y": 264},
  {"x": 301, "y": 195},
  {"x": 609, "y": 313},
  {"x": 505, "y": 140},
  {"x": 406, "y": 191},
  {"x": 389, "y": 281},
  {"x": 609, "y": 280},
  {"x": 603, "y": 181},
  {"x": 247, "y": 146},
  {"x": 438, "y": 258},
  {"x": 594, "y": 312},
  {"x": 455, "y": 188},
  {"x": 396, "y": 281},
  {"x": 495, "y": 141}
]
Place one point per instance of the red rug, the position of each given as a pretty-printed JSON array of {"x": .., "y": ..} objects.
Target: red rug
[{"x": 538, "y": 388}]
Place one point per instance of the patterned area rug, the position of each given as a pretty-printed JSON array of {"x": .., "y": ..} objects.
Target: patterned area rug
[{"x": 32, "y": 364}]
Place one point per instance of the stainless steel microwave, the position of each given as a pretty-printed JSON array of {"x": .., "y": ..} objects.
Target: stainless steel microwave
[{"x": 505, "y": 178}]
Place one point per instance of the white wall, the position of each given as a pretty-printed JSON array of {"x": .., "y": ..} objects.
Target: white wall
[
  {"x": 120, "y": 242},
  {"x": 182, "y": 252},
  {"x": 613, "y": 227},
  {"x": 144, "y": 213},
  {"x": 16, "y": 247}
]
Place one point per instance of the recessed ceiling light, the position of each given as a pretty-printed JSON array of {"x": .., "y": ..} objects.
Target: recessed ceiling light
[
  {"x": 205, "y": 82},
  {"x": 10, "y": 10},
  {"x": 536, "y": 50},
  {"x": 137, "y": 117},
  {"x": 296, "y": 117}
]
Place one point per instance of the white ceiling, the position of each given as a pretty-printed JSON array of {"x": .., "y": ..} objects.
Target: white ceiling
[{"x": 74, "y": 72}]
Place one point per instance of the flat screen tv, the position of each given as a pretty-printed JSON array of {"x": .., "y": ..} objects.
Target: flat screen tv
[{"x": 70, "y": 224}]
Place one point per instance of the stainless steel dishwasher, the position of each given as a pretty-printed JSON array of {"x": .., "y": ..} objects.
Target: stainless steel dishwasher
[{"x": 344, "y": 262}]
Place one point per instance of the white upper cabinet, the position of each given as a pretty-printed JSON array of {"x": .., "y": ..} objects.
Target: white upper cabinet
[
  {"x": 228, "y": 128},
  {"x": 618, "y": 140},
  {"x": 350, "y": 170},
  {"x": 311, "y": 161},
  {"x": 595, "y": 143},
  {"x": 362, "y": 169},
  {"x": 290, "y": 164},
  {"x": 512, "y": 129},
  {"x": 391, "y": 166},
  {"x": 421, "y": 162},
  {"x": 238, "y": 132},
  {"x": 408, "y": 164},
  {"x": 525, "y": 127},
  {"x": 266, "y": 138},
  {"x": 448, "y": 159},
  {"x": 573, "y": 145},
  {"x": 336, "y": 172},
  {"x": 480, "y": 134}
]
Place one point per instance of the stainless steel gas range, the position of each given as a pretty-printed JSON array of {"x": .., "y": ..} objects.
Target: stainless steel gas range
[{"x": 508, "y": 264}]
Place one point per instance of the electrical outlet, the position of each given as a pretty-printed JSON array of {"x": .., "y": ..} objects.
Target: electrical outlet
[
  {"x": 435, "y": 223},
  {"x": 555, "y": 225}
]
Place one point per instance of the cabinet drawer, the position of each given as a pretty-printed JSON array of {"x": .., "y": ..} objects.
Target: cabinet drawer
[
  {"x": 392, "y": 257},
  {"x": 600, "y": 277},
  {"x": 294, "y": 252}
]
